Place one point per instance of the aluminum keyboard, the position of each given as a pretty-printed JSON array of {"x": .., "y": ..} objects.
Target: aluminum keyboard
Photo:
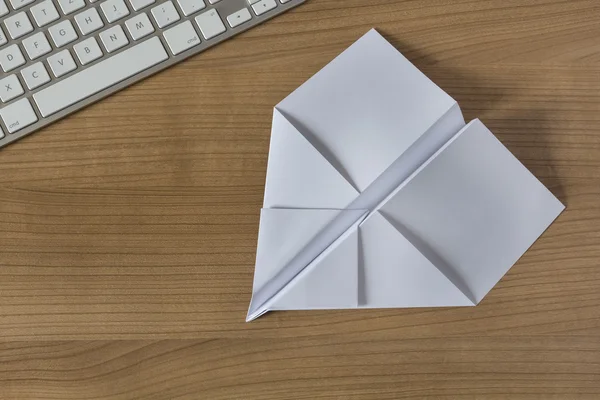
[{"x": 57, "y": 56}]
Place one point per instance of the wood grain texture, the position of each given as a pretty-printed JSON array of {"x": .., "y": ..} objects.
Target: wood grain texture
[
  {"x": 128, "y": 231},
  {"x": 345, "y": 367}
]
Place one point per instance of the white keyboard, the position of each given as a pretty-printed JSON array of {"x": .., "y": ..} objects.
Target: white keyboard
[{"x": 57, "y": 56}]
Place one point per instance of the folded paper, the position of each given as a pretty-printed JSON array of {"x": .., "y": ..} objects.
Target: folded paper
[{"x": 379, "y": 195}]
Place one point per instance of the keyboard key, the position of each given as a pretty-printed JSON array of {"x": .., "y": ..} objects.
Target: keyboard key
[
  {"x": 3, "y": 11},
  {"x": 18, "y": 115},
  {"x": 89, "y": 21},
  {"x": 263, "y": 6},
  {"x": 181, "y": 37},
  {"x": 191, "y": 6},
  {"x": 18, "y": 25},
  {"x": 10, "y": 87},
  {"x": 37, "y": 45},
  {"x": 87, "y": 51},
  {"x": 44, "y": 13},
  {"x": 114, "y": 10},
  {"x": 11, "y": 58},
  {"x": 100, "y": 76},
  {"x": 61, "y": 63},
  {"x": 210, "y": 24},
  {"x": 113, "y": 38},
  {"x": 20, "y": 3},
  {"x": 239, "y": 17},
  {"x": 3, "y": 39},
  {"x": 70, "y": 6},
  {"x": 165, "y": 14},
  {"x": 139, "y": 26},
  {"x": 139, "y": 4},
  {"x": 35, "y": 75},
  {"x": 63, "y": 33}
]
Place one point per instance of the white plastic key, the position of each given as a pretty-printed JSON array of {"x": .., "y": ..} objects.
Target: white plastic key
[
  {"x": 239, "y": 17},
  {"x": 44, "y": 13},
  {"x": 3, "y": 11},
  {"x": 100, "y": 76},
  {"x": 61, "y": 63},
  {"x": 35, "y": 75},
  {"x": 3, "y": 38},
  {"x": 210, "y": 24},
  {"x": 191, "y": 6},
  {"x": 70, "y": 6},
  {"x": 165, "y": 14},
  {"x": 11, "y": 58},
  {"x": 88, "y": 51},
  {"x": 89, "y": 21},
  {"x": 262, "y": 6},
  {"x": 18, "y": 25},
  {"x": 114, "y": 10},
  {"x": 36, "y": 45},
  {"x": 113, "y": 38},
  {"x": 10, "y": 87},
  {"x": 18, "y": 115},
  {"x": 62, "y": 33},
  {"x": 181, "y": 37},
  {"x": 20, "y": 3},
  {"x": 139, "y": 4},
  {"x": 139, "y": 26}
]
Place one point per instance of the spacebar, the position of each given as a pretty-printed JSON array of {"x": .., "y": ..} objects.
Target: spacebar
[{"x": 100, "y": 76}]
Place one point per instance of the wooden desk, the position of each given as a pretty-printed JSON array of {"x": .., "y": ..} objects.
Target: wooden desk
[{"x": 128, "y": 231}]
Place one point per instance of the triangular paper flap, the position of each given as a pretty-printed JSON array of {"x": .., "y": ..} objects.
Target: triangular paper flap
[
  {"x": 289, "y": 241},
  {"x": 283, "y": 233},
  {"x": 396, "y": 274},
  {"x": 434, "y": 258},
  {"x": 476, "y": 206},
  {"x": 331, "y": 283},
  {"x": 299, "y": 176},
  {"x": 365, "y": 108}
]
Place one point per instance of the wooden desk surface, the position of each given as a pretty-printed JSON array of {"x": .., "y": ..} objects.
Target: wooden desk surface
[{"x": 128, "y": 231}]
